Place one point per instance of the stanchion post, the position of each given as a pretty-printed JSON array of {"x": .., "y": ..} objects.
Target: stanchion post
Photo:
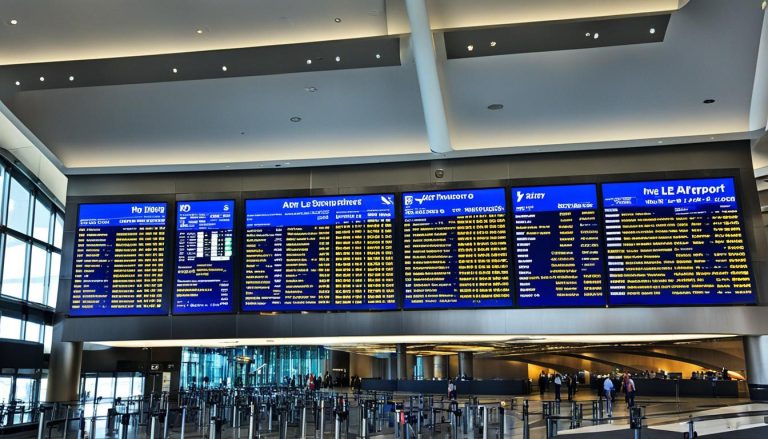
[{"x": 183, "y": 422}]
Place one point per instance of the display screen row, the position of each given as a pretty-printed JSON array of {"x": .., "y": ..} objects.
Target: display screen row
[{"x": 675, "y": 242}]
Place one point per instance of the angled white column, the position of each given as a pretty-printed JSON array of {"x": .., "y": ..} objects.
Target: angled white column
[{"x": 429, "y": 82}]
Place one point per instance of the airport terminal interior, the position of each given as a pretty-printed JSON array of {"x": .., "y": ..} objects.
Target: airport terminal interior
[{"x": 383, "y": 219}]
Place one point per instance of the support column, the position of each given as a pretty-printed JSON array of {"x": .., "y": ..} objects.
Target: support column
[
  {"x": 64, "y": 369},
  {"x": 466, "y": 360},
  {"x": 441, "y": 366},
  {"x": 756, "y": 356},
  {"x": 392, "y": 367},
  {"x": 402, "y": 362},
  {"x": 428, "y": 365}
]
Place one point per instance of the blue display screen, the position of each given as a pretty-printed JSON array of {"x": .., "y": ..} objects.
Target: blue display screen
[
  {"x": 119, "y": 260},
  {"x": 557, "y": 243},
  {"x": 455, "y": 249},
  {"x": 676, "y": 242},
  {"x": 204, "y": 267},
  {"x": 319, "y": 253}
]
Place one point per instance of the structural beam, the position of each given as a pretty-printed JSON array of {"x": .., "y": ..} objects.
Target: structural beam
[{"x": 425, "y": 59}]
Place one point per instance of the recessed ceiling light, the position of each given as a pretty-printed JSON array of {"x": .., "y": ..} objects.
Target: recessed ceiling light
[
  {"x": 175, "y": 70},
  {"x": 309, "y": 61},
  {"x": 199, "y": 31},
  {"x": 295, "y": 119},
  {"x": 495, "y": 107},
  {"x": 338, "y": 58},
  {"x": 587, "y": 34},
  {"x": 660, "y": 142},
  {"x": 493, "y": 44},
  {"x": 223, "y": 68},
  {"x": 708, "y": 101},
  {"x": 652, "y": 30},
  {"x": 378, "y": 56},
  {"x": 18, "y": 83},
  {"x": 42, "y": 78},
  {"x": 337, "y": 20},
  {"x": 71, "y": 78},
  {"x": 765, "y": 3},
  {"x": 311, "y": 89},
  {"x": 470, "y": 48},
  {"x": 13, "y": 22},
  {"x": 596, "y": 35}
]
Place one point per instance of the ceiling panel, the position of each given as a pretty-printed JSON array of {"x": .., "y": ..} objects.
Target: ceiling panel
[{"x": 359, "y": 112}]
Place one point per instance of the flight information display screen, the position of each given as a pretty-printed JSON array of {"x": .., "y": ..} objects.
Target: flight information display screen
[
  {"x": 204, "y": 266},
  {"x": 557, "y": 243},
  {"x": 455, "y": 249},
  {"x": 319, "y": 253},
  {"x": 119, "y": 260},
  {"x": 676, "y": 242}
]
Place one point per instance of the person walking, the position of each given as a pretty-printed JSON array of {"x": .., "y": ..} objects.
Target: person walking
[
  {"x": 558, "y": 383},
  {"x": 629, "y": 390},
  {"x": 608, "y": 389},
  {"x": 542, "y": 383}
]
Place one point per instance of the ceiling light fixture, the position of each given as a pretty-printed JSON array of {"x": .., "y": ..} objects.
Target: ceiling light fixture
[
  {"x": 708, "y": 101},
  {"x": 311, "y": 89},
  {"x": 652, "y": 30},
  {"x": 493, "y": 44},
  {"x": 223, "y": 68},
  {"x": 309, "y": 61},
  {"x": 18, "y": 83},
  {"x": 596, "y": 35},
  {"x": 199, "y": 31},
  {"x": 295, "y": 119},
  {"x": 495, "y": 107},
  {"x": 175, "y": 70},
  {"x": 338, "y": 58},
  {"x": 378, "y": 56},
  {"x": 71, "y": 78},
  {"x": 587, "y": 34},
  {"x": 470, "y": 47},
  {"x": 42, "y": 79},
  {"x": 13, "y": 22},
  {"x": 764, "y": 5},
  {"x": 337, "y": 20}
]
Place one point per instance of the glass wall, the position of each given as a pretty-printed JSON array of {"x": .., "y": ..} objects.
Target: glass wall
[
  {"x": 251, "y": 366},
  {"x": 111, "y": 385},
  {"x": 31, "y": 235}
]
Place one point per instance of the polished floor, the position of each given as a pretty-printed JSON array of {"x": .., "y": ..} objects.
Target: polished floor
[{"x": 582, "y": 419}]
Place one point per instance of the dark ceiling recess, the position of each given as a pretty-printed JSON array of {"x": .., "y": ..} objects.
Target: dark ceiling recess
[
  {"x": 555, "y": 35},
  {"x": 253, "y": 61}
]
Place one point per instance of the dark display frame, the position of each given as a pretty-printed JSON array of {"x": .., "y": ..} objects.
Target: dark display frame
[{"x": 398, "y": 191}]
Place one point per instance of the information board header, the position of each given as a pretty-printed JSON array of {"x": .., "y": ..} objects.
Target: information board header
[
  {"x": 317, "y": 211},
  {"x": 452, "y": 203},
  {"x": 123, "y": 214},
  {"x": 205, "y": 215},
  {"x": 554, "y": 198},
  {"x": 670, "y": 193}
]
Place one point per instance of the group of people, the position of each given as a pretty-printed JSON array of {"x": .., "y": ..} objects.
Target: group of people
[
  {"x": 571, "y": 381},
  {"x": 609, "y": 392},
  {"x": 312, "y": 382}
]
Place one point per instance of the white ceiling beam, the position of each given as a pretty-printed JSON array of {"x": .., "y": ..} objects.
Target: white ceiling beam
[{"x": 432, "y": 101}]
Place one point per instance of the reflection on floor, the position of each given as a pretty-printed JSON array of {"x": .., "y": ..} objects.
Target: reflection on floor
[{"x": 580, "y": 419}]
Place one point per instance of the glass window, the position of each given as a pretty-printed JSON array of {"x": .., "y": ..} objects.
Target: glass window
[
  {"x": 43, "y": 394},
  {"x": 53, "y": 288},
  {"x": 10, "y": 328},
  {"x": 41, "y": 227},
  {"x": 47, "y": 339},
  {"x": 32, "y": 332},
  {"x": 13, "y": 267},
  {"x": 5, "y": 388},
  {"x": 18, "y": 207},
  {"x": 138, "y": 385},
  {"x": 124, "y": 387},
  {"x": 106, "y": 387},
  {"x": 37, "y": 275},
  {"x": 25, "y": 389},
  {"x": 89, "y": 389},
  {"x": 58, "y": 231}
]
